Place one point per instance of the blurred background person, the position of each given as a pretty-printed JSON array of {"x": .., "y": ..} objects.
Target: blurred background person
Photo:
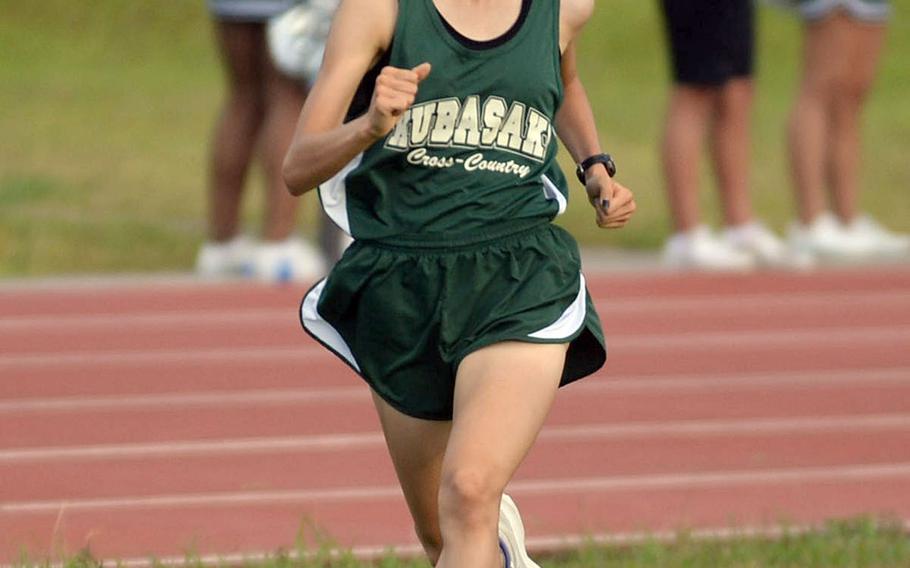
[
  {"x": 296, "y": 41},
  {"x": 711, "y": 52},
  {"x": 841, "y": 48},
  {"x": 259, "y": 116}
]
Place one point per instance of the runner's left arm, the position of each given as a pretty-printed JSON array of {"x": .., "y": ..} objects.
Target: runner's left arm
[{"x": 576, "y": 127}]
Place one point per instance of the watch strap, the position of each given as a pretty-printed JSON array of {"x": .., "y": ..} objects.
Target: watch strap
[{"x": 604, "y": 159}]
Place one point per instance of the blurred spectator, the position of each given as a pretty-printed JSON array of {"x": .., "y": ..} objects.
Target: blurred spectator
[
  {"x": 259, "y": 115},
  {"x": 711, "y": 50},
  {"x": 297, "y": 42},
  {"x": 842, "y": 43}
]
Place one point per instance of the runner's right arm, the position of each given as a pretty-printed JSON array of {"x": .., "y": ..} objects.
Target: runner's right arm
[{"x": 322, "y": 144}]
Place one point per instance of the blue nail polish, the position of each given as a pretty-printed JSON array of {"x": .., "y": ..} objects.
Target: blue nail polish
[{"x": 606, "y": 204}]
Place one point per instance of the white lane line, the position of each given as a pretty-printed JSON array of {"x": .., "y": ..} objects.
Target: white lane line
[
  {"x": 91, "y": 322},
  {"x": 871, "y": 472},
  {"x": 361, "y": 440},
  {"x": 300, "y": 353},
  {"x": 866, "y": 472},
  {"x": 156, "y": 282},
  {"x": 606, "y": 383},
  {"x": 346, "y": 494},
  {"x": 600, "y": 382},
  {"x": 758, "y": 426},
  {"x": 237, "y": 446},
  {"x": 535, "y": 544},
  {"x": 778, "y": 338},
  {"x": 573, "y": 541},
  {"x": 245, "y": 398},
  {"x": 750, "y": 380},
  {"x": 711, "y": 303},
  {"x": 894, "y": 299}
]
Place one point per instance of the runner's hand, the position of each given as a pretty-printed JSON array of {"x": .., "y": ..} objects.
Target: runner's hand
[
  {"x": 613, "y": 202},
  {"x": 394, "y": 94}
]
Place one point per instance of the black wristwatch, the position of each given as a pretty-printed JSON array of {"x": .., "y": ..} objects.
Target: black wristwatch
[{"x": 604, "y": 159}]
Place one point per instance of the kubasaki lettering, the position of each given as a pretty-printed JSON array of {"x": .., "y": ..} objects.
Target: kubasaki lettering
[{"x": 466, "y": 123}]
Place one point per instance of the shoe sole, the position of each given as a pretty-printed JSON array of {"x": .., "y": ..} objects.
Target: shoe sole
[{"x": 513, "y": 531}]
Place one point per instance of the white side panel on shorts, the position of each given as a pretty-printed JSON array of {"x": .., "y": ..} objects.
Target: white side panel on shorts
[
  {"x": 552, "y": 192},
  {"x": 570, "y": 320},
  {"x": 322, "y": 329},
  {"x": 334, "y": 196}
]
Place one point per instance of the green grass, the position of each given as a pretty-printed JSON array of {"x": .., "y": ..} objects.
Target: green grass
[
  {"x": 860, "y": 543},
  {"x": 106, "y": 109},
  {"x": 853, "y": 544}
]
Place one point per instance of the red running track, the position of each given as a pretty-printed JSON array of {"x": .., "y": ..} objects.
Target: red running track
[{"x": 155, "y": 419}]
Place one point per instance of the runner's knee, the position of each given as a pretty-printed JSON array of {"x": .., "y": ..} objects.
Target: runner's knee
[
  {"x": 469, "y": 496},
  {"x": 851, "y": 93}
]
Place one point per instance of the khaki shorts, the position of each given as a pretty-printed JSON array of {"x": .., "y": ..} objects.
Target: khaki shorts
[{"x": 405, "y": 314}]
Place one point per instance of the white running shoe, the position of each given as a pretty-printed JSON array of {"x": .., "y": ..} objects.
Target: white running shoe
[
  {"x": 765, "y": 248},
  {"x": 224, "y": 260},
  {"x": 291, "y": 260},
  {"x": 826, "y": 239},
  {"x": 700, "y": 250},
  {"x": 876, "y": 239},
  {"x": 512, "y": 536}
]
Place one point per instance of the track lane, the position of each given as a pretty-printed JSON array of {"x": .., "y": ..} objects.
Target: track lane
[
  {"x": 826, "y": 347},
  {"x": 138, "y": 297},
  {"x": 594, "y": 451},
  {"x": 110, "y": 426},
  {"x": 53, "y": 336},
  {"x": 599, "y": 382}
]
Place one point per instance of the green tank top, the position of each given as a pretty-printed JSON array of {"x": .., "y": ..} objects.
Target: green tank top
[{"x": 478, "y": 146}]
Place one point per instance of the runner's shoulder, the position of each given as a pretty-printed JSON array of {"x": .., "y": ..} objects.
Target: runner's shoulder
[
  {"x": 574, "y": 14},
  {"x": 373, "y": 18}
]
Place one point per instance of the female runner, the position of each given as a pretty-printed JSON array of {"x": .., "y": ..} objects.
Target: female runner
[{"x": 430, "y": 133}]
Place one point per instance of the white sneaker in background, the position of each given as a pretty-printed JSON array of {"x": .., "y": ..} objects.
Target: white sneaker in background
[
  {"x": 756, "y": 240},
  {"x": 291, "y": 260},
  {"x": 877, "y": 241},
  {"x": 229, "y": 259},
  {"x": 512, "y": 535},
  {"x": 826, "y": 239},
  {"x": 699, "y": 249}
]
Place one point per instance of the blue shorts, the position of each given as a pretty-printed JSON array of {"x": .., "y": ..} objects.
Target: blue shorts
[
  {"x": 248, "y": 10},
  {"x": 873, "y": 11}
]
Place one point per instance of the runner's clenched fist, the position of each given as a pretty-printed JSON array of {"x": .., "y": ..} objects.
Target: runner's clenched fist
[
  {"x": 395, "y": 92},
  {"x": 612, "y": 201}
]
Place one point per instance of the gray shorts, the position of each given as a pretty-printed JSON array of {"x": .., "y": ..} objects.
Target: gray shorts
[
  {"x": 873, "y": 11},
  {"x": 248, "y": 10}
]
